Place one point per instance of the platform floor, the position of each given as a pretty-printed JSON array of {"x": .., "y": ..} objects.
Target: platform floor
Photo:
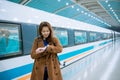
[{"x": 102, "y": 65}]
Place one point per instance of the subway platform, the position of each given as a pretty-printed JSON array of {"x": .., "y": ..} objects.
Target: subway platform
[{"x": 103, "y": 64}]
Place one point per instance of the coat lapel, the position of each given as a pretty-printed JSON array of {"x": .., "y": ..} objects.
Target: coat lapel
[{"x": 40, "y": 43}]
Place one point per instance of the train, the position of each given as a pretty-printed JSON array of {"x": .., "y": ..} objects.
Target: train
[{"x": 19, "y": 27}]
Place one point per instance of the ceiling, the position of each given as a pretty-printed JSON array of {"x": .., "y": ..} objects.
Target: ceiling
[{"x": 103, "y": 13}]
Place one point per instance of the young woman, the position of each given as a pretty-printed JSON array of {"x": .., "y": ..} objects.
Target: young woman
[{"x": 44, "y": 51}]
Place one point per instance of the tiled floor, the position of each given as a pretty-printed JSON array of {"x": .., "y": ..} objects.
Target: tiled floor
[{"x": 102, "y": 65}]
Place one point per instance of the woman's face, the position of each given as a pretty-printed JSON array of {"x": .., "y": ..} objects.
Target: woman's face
[{"x": 45, "y": 32}]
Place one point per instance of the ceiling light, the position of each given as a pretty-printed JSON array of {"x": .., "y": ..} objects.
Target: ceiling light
[
  {"x": 85, "y": 13},
  {"x": 78, "y": 9},
  {"x": 72, "y": 6},
  {"x": 59, "y": 0},
  {"x": 88, "y": 14},
  {"x": 106, "y": 1},
  {"x": 119, "y": 20},
  {"x": 109, "y": 5},
  {"x": 111, "y": 8},
  {"x": 115, "y": 15},
  {"x": 67, "y": 3},
  {"x": 82, "y": 11}
]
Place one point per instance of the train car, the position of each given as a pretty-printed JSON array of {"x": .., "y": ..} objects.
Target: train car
[{"x": 18, "y": 29}]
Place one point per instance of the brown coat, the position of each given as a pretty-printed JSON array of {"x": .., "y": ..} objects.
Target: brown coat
[{"x": 47, "y": 58}]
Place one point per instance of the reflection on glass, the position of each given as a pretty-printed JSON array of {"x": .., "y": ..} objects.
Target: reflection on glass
[
  {"x": 62, "y": 35},
  {"x": 9, "y": 39},
  {"x": 80, "y": 37},
  {"x": 93, "y": 36}
]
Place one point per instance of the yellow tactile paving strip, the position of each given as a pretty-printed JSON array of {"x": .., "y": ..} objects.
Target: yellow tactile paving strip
[
  {"x": 77, "y": 56},
  {"x": 26, "y": 77}
]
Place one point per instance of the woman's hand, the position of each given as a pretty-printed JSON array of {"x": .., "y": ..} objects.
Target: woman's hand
[{"x": 40, "y": 50}]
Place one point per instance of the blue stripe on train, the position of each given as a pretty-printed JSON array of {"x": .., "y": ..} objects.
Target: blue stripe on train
[
  {"x": 16, "y": 72},
  {"x": 103, "y": 43},
  {"x": 73, "y": 53}
]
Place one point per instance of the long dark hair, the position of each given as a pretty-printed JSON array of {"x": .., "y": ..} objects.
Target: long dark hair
[{"x": 46, "y": 24}]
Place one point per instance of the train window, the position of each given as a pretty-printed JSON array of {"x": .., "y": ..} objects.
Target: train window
[
  {"x": 109, "y": 36},
  {"x": 80, "y": 37},
  {"x": 95, "y": 36},
  {"x": 98, "y": 36},
  {"x": 105, "y": 35},
  {"x": 92, "y": 36},
  {"x": 62, "y": 35},
  {"x": 10, "y": 42}
]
